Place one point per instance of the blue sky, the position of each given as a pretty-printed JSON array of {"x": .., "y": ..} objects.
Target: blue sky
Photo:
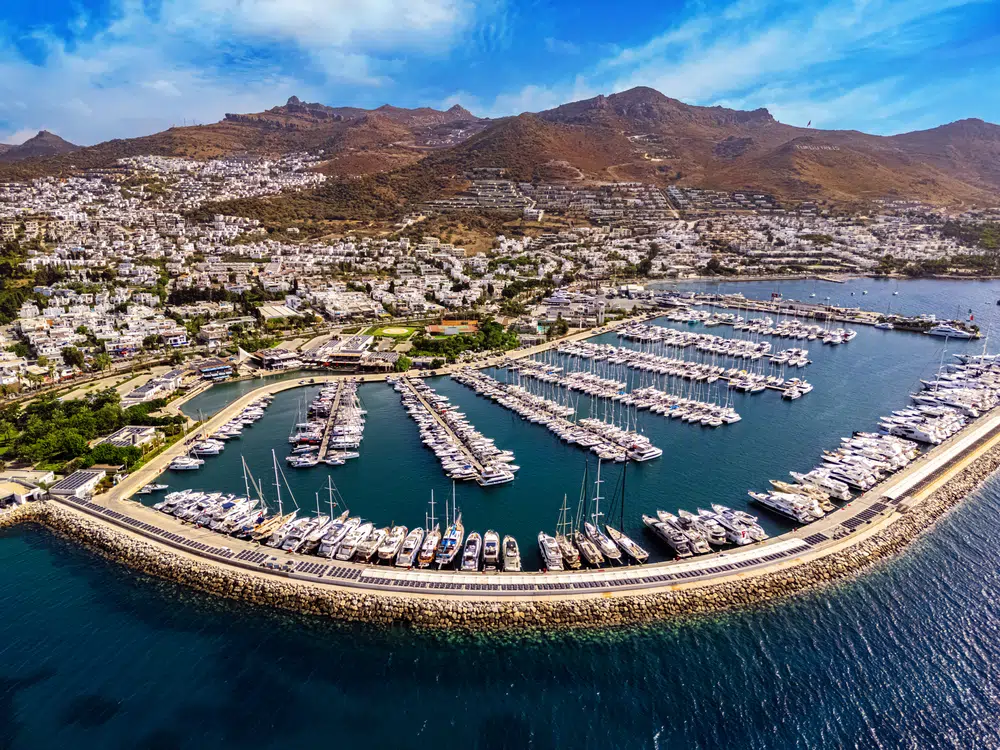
[{"x": 91, "y": 70}]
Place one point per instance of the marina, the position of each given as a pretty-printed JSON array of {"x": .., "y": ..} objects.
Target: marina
[
  {"x": 777, "y": 517},
  {"x": 649, "y": 533},
  {"x": 607, "y": 440},
  {"x": 607, "y": 417}
]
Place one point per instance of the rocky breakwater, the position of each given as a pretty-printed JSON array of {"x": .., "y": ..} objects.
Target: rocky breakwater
[
  {"x": 852, "y": 556},
  {"x": 18, "y": 514}
]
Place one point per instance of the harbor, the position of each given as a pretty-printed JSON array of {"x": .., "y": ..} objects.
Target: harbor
[
  {"x": 690, "y": 546},
  {"x": 781, "y": 511}
]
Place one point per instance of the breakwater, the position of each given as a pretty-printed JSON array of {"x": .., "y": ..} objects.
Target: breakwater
[{"x": 852, "y": 556}]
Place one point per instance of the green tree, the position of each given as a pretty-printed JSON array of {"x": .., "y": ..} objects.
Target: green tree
[
  {"x": 403, "y": 364},
  {"x": 72, "y": 356},
  {"x": 102, "y": 361}
]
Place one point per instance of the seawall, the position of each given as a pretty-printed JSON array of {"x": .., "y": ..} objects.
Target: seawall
[{"x": 855, "y": 555}]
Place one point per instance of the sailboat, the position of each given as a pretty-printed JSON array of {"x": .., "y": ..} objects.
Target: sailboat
[
  {"x": 452, "y": 541},
  {"x": 429, "y": 547},
  {"x": 630, "y": 547},
  {"x": 592, "y": 527},
  {"x": 273, "y": 526},
  {"x": 588, "y": 550},
  {"x": 568, "y": 550}
]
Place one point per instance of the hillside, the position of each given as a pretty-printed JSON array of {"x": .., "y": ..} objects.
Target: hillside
[
  {"x": 638, "y": 134},
  {"x": 388, "y": 136},
  {"x": 42, "y": 145}
]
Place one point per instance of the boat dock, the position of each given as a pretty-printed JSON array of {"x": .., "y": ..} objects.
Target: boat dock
[
  {"x": 465, "y": 450},
  {"x": 324, "y": 445}
]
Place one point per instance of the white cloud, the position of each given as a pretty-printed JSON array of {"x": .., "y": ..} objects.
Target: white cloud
[
  {"x": 561, "y": 46},
  {"x": 194, "y": 60},
  {"x": 831, "y": 61},
  {"x": 20, "y": 136},
  {"x": 164, "y": 87}
]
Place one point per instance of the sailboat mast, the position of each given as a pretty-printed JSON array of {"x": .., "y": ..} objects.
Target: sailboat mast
[
  {"x": 597, "y": 495},
  {"x": 624, "y": 470},
  {"x": 246, "y": 482},
  {"x": 277, "y": 484}
]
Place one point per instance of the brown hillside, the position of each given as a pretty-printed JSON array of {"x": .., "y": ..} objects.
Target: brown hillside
[{"x": 638, "y": 134}]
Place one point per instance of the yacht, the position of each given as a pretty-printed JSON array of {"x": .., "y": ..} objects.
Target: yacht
[
  {"x": 451, "y": 543},
  {"x": 742, "y": 519},
  {"x": 393, "y": 543},
  {"x": 511, "y": 555},
  {"x": 588, "y": 550},
  {"x": 735, "y": 533},
  {"x": 950, "y": 331},
  {"x": 473, "y": 552},
  {"x": 353, "y": 540},
  {"x": 493, "y": 475},
  {"x": 549, "y": 549},
  {"x": 407, "y": 556},
  {"x": 429, "y": 547},
  {"x": 677, "y": 541},
  {"x": 709, "y": 527},
  {"x": 335, "y": 535},
  {"x": 608, "y": 548},
  {"x": 784, "y": 505},
  {"x": 696, "y": 538},
  {"x": 369, "y": 546},
  {"x": 817, "y": 478},
  {"x": 186, "y": 463},
  {"x": 491, "y": 550},
  {"x": 632, "y": 549}
]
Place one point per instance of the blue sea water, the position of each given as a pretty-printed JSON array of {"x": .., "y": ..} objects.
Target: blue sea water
[{"x": 94, "y": 655}]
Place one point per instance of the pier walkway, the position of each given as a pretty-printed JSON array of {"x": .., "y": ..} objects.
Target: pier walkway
[
  {"x": 324, "y": 445},
  {"x": 444, "y": 425}
]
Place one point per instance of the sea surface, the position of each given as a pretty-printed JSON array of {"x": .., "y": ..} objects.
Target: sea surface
[{"x": 906, "y": 656}]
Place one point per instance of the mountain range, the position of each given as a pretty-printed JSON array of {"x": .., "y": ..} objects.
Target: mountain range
[{"x": 638, "y": 134}]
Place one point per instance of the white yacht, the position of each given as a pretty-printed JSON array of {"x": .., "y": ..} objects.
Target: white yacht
[
  {"x": 950, "y": 331},
  {"x": 186, "y": 463},
  {"x": 551, "y": 556}
]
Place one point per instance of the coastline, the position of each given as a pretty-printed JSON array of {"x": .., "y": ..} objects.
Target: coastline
[{"x": 849, "y": 557}]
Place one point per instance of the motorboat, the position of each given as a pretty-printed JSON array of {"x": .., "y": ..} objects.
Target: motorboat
[
  {"x": 551, "y": 555},
  {"x": 491, "y": 550},
  {"x": 473, "y": 552},
  {"x": 511, "y": 555}
]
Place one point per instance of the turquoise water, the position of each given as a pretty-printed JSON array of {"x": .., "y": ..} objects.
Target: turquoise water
[{"x": 94, "y": 655}]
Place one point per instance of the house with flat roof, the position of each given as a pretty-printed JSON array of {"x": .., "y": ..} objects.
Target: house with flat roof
[
  {"x": 131, "y": 436},
  {"x": 18, "y": 492},
  {"x": 80, "y": 483}
]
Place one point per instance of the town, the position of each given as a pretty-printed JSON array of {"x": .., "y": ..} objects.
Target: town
[{"x": 127, "y": 265}]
